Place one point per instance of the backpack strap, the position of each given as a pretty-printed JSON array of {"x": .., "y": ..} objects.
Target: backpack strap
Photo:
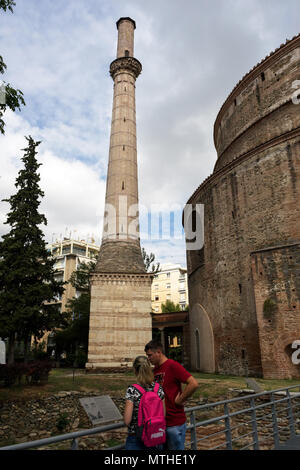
[
  {"x": 156, "y": 387},
  {"x": 139, "y": 388}
]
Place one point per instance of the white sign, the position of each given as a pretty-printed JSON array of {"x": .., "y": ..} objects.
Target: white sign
[
  {"x": 296, "y": 354},
  {"x": 100, "y": 409}
]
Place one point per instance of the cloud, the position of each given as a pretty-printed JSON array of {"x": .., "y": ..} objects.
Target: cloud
[
  {"x": 74, "y": 191},
  {"x": 58, "y": 54}
]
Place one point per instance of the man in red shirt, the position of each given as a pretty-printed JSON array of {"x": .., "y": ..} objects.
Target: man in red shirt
[{"x": 170, "y": 375}]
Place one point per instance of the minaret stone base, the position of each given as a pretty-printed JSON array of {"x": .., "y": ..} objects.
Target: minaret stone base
[{"x": 120, "y": 322}]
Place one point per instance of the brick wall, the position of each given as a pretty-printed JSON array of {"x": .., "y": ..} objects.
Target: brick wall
[{"x": 252, "y": 203}]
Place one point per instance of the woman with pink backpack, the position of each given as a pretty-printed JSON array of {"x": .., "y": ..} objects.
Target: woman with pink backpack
[{"x": 144, "y": 412}]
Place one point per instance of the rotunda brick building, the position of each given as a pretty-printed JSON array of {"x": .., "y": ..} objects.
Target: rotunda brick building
[{"x": 244, "y": 284}]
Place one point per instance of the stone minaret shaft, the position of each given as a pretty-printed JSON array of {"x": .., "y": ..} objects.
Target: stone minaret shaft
[
  {"x": 120, "y": 250},
  {"x": 120, "y": 320}
]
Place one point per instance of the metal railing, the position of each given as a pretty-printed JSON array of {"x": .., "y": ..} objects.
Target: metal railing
[{"x": 259, "y": 421}]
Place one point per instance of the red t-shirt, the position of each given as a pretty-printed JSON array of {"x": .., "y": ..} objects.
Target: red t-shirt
[{"x": 170, "y": 375}]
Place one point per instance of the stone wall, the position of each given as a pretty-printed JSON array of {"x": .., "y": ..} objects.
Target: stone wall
[
  {"x": 276, "y": 295},
  {"x": 120, "y": 319},
  {"x": 29, "y": 420},
  {"x": 251, "y": 204},
  {"x": 257, "y": 104}
]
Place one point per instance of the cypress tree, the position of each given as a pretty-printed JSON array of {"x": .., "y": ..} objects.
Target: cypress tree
[{"x": 27, "y": 282}]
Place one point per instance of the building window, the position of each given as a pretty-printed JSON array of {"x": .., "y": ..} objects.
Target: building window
[
  {"x": 59, "y": 277},
  {"x": 78, "y": 250},
  {"x": 66, "y": 250},
  {"x": 156, "y": 297},
  {"x": 156, "y": 286},
  {"x": 168, "y": 286},
  {"x": 168, "y": 275},
  {"x": 93, "y": 254},
  {"x": 126, "y": 53},
  {"x": 60, "y": 264}
]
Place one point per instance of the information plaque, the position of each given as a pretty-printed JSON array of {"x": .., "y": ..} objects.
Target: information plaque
[{"x": 101, "y": 409}]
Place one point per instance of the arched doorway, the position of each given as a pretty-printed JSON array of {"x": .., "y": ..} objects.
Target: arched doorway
[{"x": 202, "y": 340}]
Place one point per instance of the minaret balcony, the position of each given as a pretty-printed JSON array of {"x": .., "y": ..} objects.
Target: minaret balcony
[{"x": 127, "y": 65}]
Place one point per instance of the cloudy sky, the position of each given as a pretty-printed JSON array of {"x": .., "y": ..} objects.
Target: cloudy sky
[{"x": 193, "y": 53}]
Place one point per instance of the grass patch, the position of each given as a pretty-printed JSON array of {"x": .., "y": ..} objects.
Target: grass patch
[
  {"x": 7, "y": 442},
  {"x": 276, "y": 384},
  {"x": 63, "y": 380},
  {"x": 211, "y": 386},
  {"x": 112, "y": 442}
]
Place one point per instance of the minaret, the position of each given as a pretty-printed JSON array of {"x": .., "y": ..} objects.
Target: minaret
[
  {"x": 120, "y": 320},
  {"x": 120, "y": 250}
]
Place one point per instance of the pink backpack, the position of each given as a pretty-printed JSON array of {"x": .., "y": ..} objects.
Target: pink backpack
[{"x": 151, "y": 419}]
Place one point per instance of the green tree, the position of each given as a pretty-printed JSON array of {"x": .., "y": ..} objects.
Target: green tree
[
  {"x": 74, "y": 338},
  {"x": 7, "y": 5},
  {"x": 150, "y": 266},
  {"x": 169, "y": 307},
  {"x": 9, "y": 97},
  {"x": 27, "y": 283}
]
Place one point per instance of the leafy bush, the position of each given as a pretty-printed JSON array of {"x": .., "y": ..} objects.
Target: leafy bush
[
  {"x": 175, "y": 353},
  {"x": 39, "y": 352},
  {"x": 35, "y": 372},
  {"x": 38, "y": 372},
  {"x": 81, "y": 358},
  {"x": 62, "y": 421},
  {"x": 10, "y": 373},
  {"x": 269, "y": 308}
]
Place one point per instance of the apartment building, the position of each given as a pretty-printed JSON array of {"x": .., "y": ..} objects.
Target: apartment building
[
  {"x": 68, "y": 254},
  {"x": 169, "y": 284}
]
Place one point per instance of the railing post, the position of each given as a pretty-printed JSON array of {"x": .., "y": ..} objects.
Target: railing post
[
  {"x": 227, "y": 428},
  {"x": 290, "y": 414},
  {"x": 74, "y": 445},
  {"x": 193, "y": 431},
  {"x": 275, "y": 424},
  {"x": 254, "y": 425}
]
